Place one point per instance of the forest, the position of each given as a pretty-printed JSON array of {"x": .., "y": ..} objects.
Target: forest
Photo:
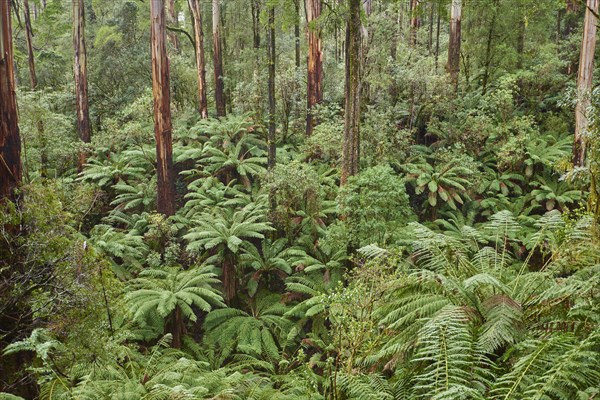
[{"x": 299, "y": 199}]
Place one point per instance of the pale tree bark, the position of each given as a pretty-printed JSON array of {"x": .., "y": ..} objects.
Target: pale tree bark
[
  {"x": 271, "y": 87},
  {"x": 351, "y": 145},
  {"x": 584, "y": 82},
  {"x": 454, "y": 42},
  {"x": 196, "y": 10},
  {"x": 218, "y": 60},
  {"x": 84, "y": 127},
  {"x": 10, "y": 140},
  {"x": 315, "y": 63},
  {"x": 174, "y": 22},
  {"x": 162, "y": 110},
  {"x": 255, "y": 9},
  {"x": 414, "y": 22}
]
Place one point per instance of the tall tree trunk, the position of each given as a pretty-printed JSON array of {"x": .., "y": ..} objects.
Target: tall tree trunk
[
  {"x": 173, "y": 21},
  {"x": 454, "y": 42},
  {"x": 33, "y": 84},
  {"x": 414, "y": 22},
  {"x": 430, "y": 33},
  {"x": 297, "y": 32},
  {"x": 351, "y": 145},
  {"x": 218, "y": 60},
  {"x": 84, "y": 126},
  {"x": 584, "y": 82},
  {"x": 162, "y": 110},
  {"x": 29, "y": 37},
  {"x": 489, "y": 49},
  {"x": 271, "y": 89},
  {"x": 255, "y": 7},
  {"x": 10, "y": 140},
  {"x": 315, "y": 63},
  {"x": 196, "y": 10},
  {"x": 437, "y": 36}
]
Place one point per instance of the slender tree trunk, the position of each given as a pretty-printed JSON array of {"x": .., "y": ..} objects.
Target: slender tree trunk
[
  {"x": 255, "y": 7},
  {"x": 218, "y": 60},
  {"x": 559, "y": 15},
  {"x": 584, "y": 82},
  {"x": 454, "y": 42},
  {"x": 315, "y": 63},
  {"x": 33, "y": 84},
  {"x": 162, "y": 110},
  {"x": 10, "y": 140},
  {"x": 297, "y": 32},
  {"x": 29, "y": 37},
  {"x": 489, "y": 49},
  {"x": 437, "y": 36},
  {"x": 196, "y": 10},
  {"x": 430, "y": 33},
  {"x": 414, "y": 22},
  {"x": 351, "y": 145},
  {"x": 84, "y": 126},
  {"x": 271, "y": 89},
  {"x": 172, "y": 20}
]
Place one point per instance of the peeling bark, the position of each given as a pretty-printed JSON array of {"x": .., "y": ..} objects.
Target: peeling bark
[
  {"x": 315, "y": 63},
  {"x": 162, "y": 110},
  {"x": 10, "y": 140},
  {"x": 196, "y": 10}
]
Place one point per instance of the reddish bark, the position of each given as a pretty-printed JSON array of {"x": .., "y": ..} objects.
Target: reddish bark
[
  {"x": 10, "y": 140},
  {"x": 196, "y": 10},
  {"x": 315, "y": 63},
  {"x": 162, "y": 110}
]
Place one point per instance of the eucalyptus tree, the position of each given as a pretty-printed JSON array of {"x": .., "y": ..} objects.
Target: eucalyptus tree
[
  {"x": 10, "y": 140},
  {"x": 315, "y": 61},
  {"x": 162, "y": 110},
  {"x": 84, "y": 126},
  {"x": 196, "y": 11},
  {"x": 217, "y": 28},
  {"x": 584, "y": 82},
  {"x": 351, "y": 145}
]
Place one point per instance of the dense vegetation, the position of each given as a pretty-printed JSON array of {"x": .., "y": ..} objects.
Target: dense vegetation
[{"x": 461, "y": 260}]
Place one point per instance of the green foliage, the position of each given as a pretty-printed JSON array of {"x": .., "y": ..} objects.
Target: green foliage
[
  {"x": 461, "y": 262},
  {"x": 157, "y": 293},
  {"x": 375, "y": 205}
]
